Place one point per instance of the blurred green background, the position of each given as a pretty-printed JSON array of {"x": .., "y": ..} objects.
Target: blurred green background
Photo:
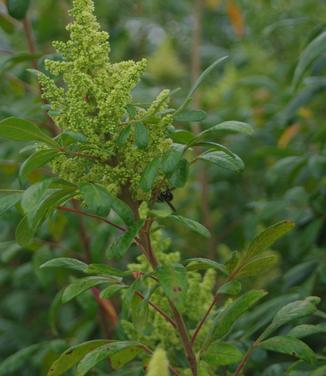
[{"x": 285, "y": 174}]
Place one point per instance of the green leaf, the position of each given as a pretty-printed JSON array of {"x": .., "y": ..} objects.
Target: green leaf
[
  {"x": 221, "y": 354},
  {"x": 18, "y": 360},
  {"x": 80, "y": 285},
  {"x": 201, "y": 78},
  {"x": 72, "y": 356},
  {"x": 24, "y": 235},
  {"x": 149, "y": 175},
  {"x": 39, "y": 200},
  {"x": 18, "y": 8},
  {"x": 213, "y": 146},
  {"x": 199, "y": 263},
  {"x": 171, "y": 159},
  {"x": 227, "y": 127},
  {"x": 181, "y": 136},
  {"x": 121, "y": 246},
  {"x": 292, "y": 311},
  {"x": 161, "y": 213},
  {"x": 122, "y": 210},
  {"x": 104, "y": 269},
  {"x": 114, "y": 350},
  {"x": 190, "y": 116},
  {"x": 54, "y": 312},
  {"x": 225, "y": 320},
  {"x": 123, "y": 136},
  {"x": 97, "y": 198},
  {"x": 180, "y": 175},
  {"x": 173, "y": 280},
  {"x": 37, "y": 160},
  {"x": 66, "y": 263},
  {"x": 266, "y": 238},
  {"x": 230, "y": 288},
  {"x": 124, "y": 356},
  {"x": 192, "y": 225},
  {"x": 316, "y": 48},
  {"x": 306, "y": 330},
  {"x": 111, "y": 290},
  {"x": 142, "y": 135},
  {"x": 289, "y": 345},
  {"x": 223, "y": 160},
  {"x": 22, "y": 130},
  {"x": 258, "y": 265},
  {"x": 8, "y": 201}
]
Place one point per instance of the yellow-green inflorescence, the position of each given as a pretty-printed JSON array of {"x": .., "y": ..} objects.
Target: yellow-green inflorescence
[
  {"x": 92, "y": 96},
  {"x": 198, "y": 298}
]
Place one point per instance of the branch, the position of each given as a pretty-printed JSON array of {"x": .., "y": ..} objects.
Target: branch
[
  {"x": 79, "y": 212},
  {"x": 157, "y": 309}
]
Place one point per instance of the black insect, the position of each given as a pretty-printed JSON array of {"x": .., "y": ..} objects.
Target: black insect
[{"x": 166, "y": 196}]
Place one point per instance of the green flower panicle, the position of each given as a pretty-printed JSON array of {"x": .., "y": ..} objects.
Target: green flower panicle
[{"x": 92, "y": 96}]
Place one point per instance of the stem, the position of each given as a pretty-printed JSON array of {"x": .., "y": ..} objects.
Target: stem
[
  {"x": 244, "y": 360},
  {"x": 203, "y": 320},
  {"x": 180, "y": 325},
  {"x": 30, "y": 40},
  {"x": 81, "y": 213},
  {"x": 157, "y": 309}
]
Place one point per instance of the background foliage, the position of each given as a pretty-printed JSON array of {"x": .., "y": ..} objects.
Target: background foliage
[{"x": 285, "y": 158}]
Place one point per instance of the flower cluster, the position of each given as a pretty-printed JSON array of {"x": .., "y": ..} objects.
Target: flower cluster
[{"x": 90, "y": 95}]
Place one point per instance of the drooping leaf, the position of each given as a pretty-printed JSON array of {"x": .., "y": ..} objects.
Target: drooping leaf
[
  {"x": 120, "y": 247},
  {"x": 122, "y": 357},
  {"x": 180, "y": 175},
  {"x": 320, "y": 371},
  {"x": 66, "y": 263},
  {"x": 9, "y": 200},
  {"x": 80, "y": 285},
  {"x": 223, "y": 160},
  {"x": 192, "y": 225},
  {"x": 225, "y": 320},
  {"x": 230, "y": 288},
  {"x": 222, "y": 354},
  {"x": 122, "y": 210},
  {"x": 22, "y": 130},
  {"x": 37, "y": 160},
  {"x": 289, "y": 345},
  {"x": 199, "y": 263},
  {"x": 308, "y": 56},
  {"x": 24, "y": 235},
  {"x": 306, "y": 330},
  {"x": 266, "y": 238},
  {"x": 111, "y": 350},
  {"x": 72, "y": 356},
  {"x": 97, "y": 198},
  {"x": 171, "y": 159},
  {"x": 190, "y": 116},
  {"x": 292, "y": 311},
  {"x": 111, "y": 290},
  {"x": 18, "y": 8},
  {"x": 104, "y": 269},
  {"x": 18, "y": 360},
  {"x": 173, "y": 280},
  {"x": 148, "y": 178},
  {"x": 142, "y": 136}
]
